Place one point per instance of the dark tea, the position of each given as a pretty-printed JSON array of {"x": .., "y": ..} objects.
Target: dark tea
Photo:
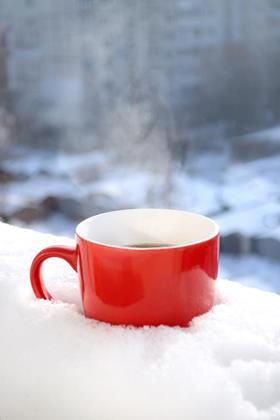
[{"x": 144, "y": 245}]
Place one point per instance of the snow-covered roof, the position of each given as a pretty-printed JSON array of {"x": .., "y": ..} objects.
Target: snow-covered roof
[
  {"x": 271, "y": 134},
  {"x": 262, "y": 220},
  {"x": 56, "y": 364}
]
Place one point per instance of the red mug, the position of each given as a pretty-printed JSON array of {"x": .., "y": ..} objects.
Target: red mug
[{"x": 141, "y": 266}]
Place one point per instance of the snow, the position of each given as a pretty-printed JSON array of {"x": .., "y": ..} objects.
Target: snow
[
  {"x": 15, "y": 194},
  {"x": 251, "y": 184},
  {"x": 242, "y": 188},
  {"x": 56, "y": 364},
  {"x": 262, "y": 220},
  {"x": 252, "y": 191},
  {"x": 269, "y": 134},
  {"x": 56, "y": 163},
  {"x": 123, "y": 186},
  {"x": 268, "y": 167},
  {"x": 132, "y": 188},
  {"x": 55, "y": 223},
  {"x": 194, "y": 194},
  {"x": 92, "y": 177},
  {"x": 251, "y": 270}
]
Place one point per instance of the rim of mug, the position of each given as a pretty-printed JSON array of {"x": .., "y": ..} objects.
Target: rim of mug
[{"x": 181, "y": 245}]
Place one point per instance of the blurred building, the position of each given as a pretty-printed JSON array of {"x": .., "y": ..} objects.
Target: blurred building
[{"x": 71, "y": 62}]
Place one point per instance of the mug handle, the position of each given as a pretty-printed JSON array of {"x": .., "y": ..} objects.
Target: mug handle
[{"x": 68, "y": 254}]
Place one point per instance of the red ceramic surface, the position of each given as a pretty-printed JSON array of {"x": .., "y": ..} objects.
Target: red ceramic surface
[{"x": 149, "y": 286}]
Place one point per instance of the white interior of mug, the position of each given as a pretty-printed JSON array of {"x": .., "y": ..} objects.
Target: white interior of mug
[{"x": 150, "y": 227}]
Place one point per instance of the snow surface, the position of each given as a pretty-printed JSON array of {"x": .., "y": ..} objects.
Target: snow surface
[
  {"x": 15, "y": 194},
  {"x": 252, "y": 183},
  {"x": 56, "y": 364},
  {"x": 260, "y": 221},
  {"x": 268, "y": 134},
  {"x": 85, "y": 178},
  {"x": 26, "y": 160},
  {"x": 251, "y": 270},
  {"x": 246, "y": 189}
]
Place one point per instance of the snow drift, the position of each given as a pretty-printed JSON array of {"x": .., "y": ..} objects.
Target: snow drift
[{"x": 55, "y": 364}]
